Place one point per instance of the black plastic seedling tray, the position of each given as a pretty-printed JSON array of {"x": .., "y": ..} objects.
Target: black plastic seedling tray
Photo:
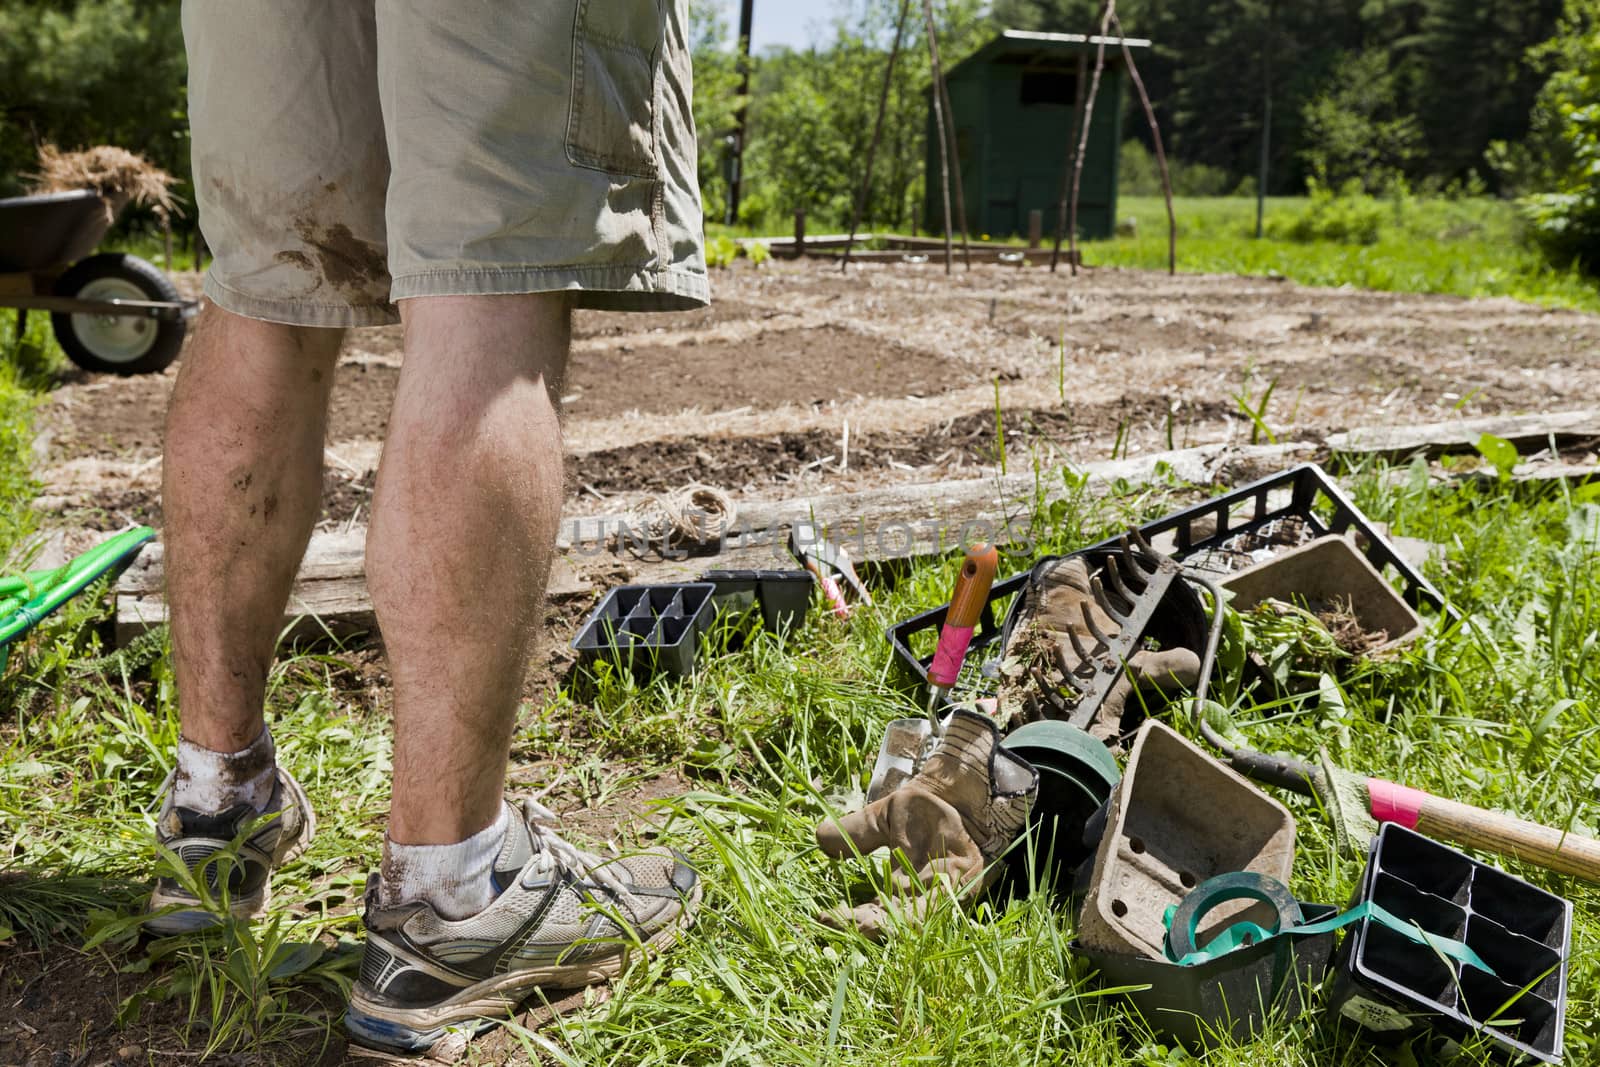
[
  {"x": 1300, "y": 504},
  {"x": 783, "y": 596},
  {"x": 1391, "y": 985},
  {"x": 1231, "y": 997},
  {"x": 648, "y": 629}
]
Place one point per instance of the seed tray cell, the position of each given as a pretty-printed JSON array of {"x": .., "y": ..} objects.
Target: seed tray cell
[
  {"x": 1389, "y": 983},
  {"x": 648, "y": 628},
  {"x": 784, "y": 596}
]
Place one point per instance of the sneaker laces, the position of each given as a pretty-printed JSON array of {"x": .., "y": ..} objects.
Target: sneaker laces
[{"x": 541, "y": 822}]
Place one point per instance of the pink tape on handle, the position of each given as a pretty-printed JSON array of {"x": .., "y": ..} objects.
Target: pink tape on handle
[
  {"x": 947, "y": 658},
  {"x": 835, "y": 597},
  {"x": 1399, "y": 804}
]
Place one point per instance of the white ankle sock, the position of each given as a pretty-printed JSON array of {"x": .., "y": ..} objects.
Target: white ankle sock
[
  {"x": 213, "y": 782},
  {"x": 457, "y": 880}
]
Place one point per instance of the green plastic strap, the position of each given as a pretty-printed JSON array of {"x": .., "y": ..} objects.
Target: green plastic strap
[{"x": 1243, "y": 934}]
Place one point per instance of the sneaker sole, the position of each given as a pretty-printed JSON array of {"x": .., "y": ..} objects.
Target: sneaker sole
[
  {"x": 192, "y": 919},
  {"x": 489, "y": 1003}
]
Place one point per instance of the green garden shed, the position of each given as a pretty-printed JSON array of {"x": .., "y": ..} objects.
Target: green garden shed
[{"x": 1013, "y": 101}]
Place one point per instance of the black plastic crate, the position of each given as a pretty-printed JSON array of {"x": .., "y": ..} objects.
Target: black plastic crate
[
  {"x": 1232, "y": 996},
  {"x": 784, "y": 596},
  {"x": 1298, "y": 505},
  {"x": 648, "y": 629},
  {"x": 1390, "y": 985}
]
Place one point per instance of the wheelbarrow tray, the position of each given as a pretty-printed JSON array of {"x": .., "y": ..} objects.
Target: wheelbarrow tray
[{"x": 44, "y": 234}]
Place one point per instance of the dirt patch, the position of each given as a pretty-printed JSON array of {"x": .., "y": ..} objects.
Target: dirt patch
[
  {"x": 806, "y": 368},
  {"x": 755, "y": 463},
  {"x": 751, "y": 393},
  {"x": 61, "y": 1012},
  {"x": 592, "y": 324}
]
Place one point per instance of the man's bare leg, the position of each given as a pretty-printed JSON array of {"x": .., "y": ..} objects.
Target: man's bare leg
[
  {"x": 241, "y": 490},
  {"x": 464, "y": 522}
]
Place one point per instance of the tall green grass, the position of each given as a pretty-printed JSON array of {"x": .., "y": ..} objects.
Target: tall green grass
[
  {"x": 1502, "y": 709},
  {"x": 1467, "y": 247}
]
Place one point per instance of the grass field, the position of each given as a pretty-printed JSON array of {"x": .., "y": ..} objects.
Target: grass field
[
  {"x": 1469, "y": 247},
  {"x": 1501, "y": 708},
  {"x": 1466, "y": 247}
]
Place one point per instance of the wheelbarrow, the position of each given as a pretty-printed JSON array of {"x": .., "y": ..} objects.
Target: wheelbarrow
[{"x": 112, "y": 313}]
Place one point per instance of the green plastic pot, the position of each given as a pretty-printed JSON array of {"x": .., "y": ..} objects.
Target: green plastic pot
[{"x": 1076, "y": 776}]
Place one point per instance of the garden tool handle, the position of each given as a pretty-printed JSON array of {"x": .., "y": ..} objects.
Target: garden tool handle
[
  {"x": 830, "y": 588},
  {"x": 1490, "y": 831},
  {"x": 967, "y": 602}
]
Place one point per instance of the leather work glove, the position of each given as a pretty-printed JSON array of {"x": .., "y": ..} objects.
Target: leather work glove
[
  {"x": 1161, "y": 674},
  {"x": 1041, "y": 656},
  {"x": 949, "y": 822}
]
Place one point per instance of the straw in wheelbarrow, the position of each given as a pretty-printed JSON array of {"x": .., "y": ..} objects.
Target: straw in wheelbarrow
[{"x": 27, "y": 599}]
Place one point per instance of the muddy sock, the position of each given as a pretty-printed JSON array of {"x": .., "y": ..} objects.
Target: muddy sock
[
  {"x": 213, "y": 782},
  {"x": 457, "y": 880}
]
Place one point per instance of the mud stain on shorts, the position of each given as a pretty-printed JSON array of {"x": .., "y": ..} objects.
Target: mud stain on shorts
[
  {"x": 296, "y": 258},
  {"x": 357, "y": 269}
]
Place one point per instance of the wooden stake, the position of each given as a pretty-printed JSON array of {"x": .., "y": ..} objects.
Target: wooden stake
[
  {"x": 938, "y": 121},
  {"x": 1155, "y": 136},
  {"x": 1083, "y": 135},
  {"x": 1066, "y": 164},
  {"x": 943, "y": 89},
  {"x": 877, "y": 133}
]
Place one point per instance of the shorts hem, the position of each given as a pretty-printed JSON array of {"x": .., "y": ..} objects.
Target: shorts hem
[
  {"x": 596, "y": 288},
  {"x": 291, "y": 312}
]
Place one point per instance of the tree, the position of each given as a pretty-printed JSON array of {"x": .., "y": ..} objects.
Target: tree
[
  {"x": 1356, "y": 129},
  {"x": 811, "y": 115},
  {"x": 716, "y": 100}
]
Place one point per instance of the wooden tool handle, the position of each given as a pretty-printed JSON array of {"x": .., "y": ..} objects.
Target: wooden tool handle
[
  {"x": 972, "y": 586},
  {"x": 1504, "y": 835}
]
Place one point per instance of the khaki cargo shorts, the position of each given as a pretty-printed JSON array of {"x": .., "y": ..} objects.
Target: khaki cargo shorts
[{"x": 352, "y": 153}]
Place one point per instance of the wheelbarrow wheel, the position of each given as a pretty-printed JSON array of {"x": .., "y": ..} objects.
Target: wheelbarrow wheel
[{"x": 117, "y": 344}]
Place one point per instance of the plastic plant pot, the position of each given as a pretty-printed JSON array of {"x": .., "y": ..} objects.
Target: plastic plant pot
[
  {"x": 1076, "y": 776},
  {"x": 1393, "y": 986},
  {"x": 784, "y": 596},
  {"x": 1177, "y": 819},
  {"x": 648, "y": 629},
  {"x": 1231, "y": 997},
  {"x": 1327, "y": 571}
]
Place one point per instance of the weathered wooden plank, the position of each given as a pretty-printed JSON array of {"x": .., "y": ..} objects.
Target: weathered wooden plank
[
  {"x": 1524, "y": 431},
  {"x": 330, "y": 592},
  {"x": 875, "y": 525}
]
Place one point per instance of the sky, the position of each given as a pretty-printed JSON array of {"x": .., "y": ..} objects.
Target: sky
[{"x": 780, "y": 22}]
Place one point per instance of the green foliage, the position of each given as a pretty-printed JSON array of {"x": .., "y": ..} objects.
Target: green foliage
[
  {"x": 25, "y": 364},
  {"x": 812, "y": 112},
  {"x": 1357, "y": 130},
  {"x": 1138, "y": 174},
  {"x": 716, "y": 100},
  {"x": 1563, "y": 154},
  {"x": 86, "y": 72},
  {"x": 1350, "y": 217}
]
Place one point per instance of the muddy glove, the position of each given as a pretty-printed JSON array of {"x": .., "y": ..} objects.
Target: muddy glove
[
  {"x": 1040, "y": 655},
  {"x": 1160, "y": 674},
  {"x": 950, "y": 821}
]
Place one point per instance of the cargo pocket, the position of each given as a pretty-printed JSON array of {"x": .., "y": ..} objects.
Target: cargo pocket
[{"x": 616, "y": 45}]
